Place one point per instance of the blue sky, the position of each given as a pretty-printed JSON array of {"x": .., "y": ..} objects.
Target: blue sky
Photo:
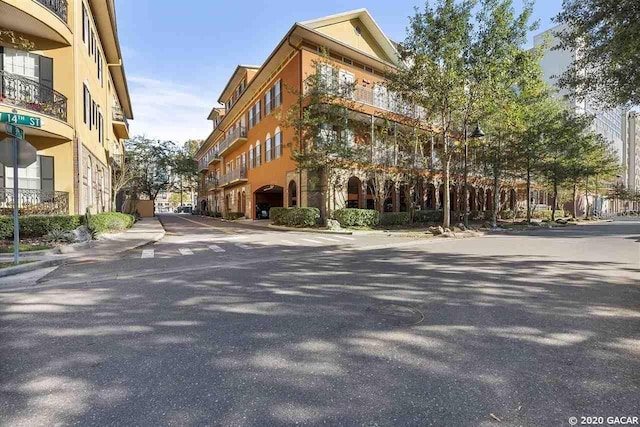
[{"x": 178, "y": 56}]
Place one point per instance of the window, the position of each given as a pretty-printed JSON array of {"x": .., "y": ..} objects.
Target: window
[
  {"x": 273, "y": 98},
  {"x": 86, "y": 106},
  {"x": 325, "y": 76},
  {"x": 92, "y": 43},
  {"x": 346, "y": 80},
  {"x": 89, "y": 184},
  {"x": 349, "y": 137},
  {"x": 85, "y": 25},
  {"x": 94, "y": 111},
  {"x": 267, "y": 149},
  {"x": 252, "y": 163},
  {"x": 100, "y": 128},
  {"x": 277, "y": 144},
  {"x": 100, "y": 67},
  {"x": 254, "y": 115},
  {"x": 22, "y": 63},
  {"x": 267, "y": 102},
  {"x": 243, "y": 162},
  {"x": 258, "y": 156}
]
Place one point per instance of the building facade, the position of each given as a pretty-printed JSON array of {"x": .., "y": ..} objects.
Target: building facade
[
  {"x": 633, "y": 152},
  {"x": 610, "y": 123},
  {"x": 246, "y": 163},
  {"x": 67, "y": 71}
]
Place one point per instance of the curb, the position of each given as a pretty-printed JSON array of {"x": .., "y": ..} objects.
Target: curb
[
  {"x": 308, "y": 230},
  {"x": 32, "y": 266}
]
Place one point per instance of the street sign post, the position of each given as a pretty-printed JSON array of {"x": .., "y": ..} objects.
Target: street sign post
[
  {"x": 14, "y": 130},
  {"x": 19, "y": 153},
  {"x": 20, "y": 119}
]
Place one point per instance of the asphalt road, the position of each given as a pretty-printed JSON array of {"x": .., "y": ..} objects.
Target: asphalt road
[{"x": 269, "y": 329}]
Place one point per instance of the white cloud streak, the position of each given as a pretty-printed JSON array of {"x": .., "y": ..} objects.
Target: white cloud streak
[{"x": 167, "y": 110}]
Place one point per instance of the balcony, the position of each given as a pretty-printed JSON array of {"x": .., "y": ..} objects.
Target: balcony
[
  {"x": 203, "y": 164},
  {"x": 378, "y": 98},
  {"x": 116, "y": 160},
  {"x": 211, "y": 183},
  {"x": 59, "y": 7},
  {"x": 25, "y": 93},
  {"x": 38, "y": 19},
  {"x": 233, "y": 177},
  {"x": 212, "y": 156},
  {"x": 120, "y": 123},
  {"x": 34, "y": 202},
  {"x": 237, "y": 136}
]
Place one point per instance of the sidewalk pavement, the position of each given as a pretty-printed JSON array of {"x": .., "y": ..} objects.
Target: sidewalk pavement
[{"x": 109, "y": 246}]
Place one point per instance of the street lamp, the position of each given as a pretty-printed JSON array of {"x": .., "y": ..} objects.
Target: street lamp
[{"x": 477, "y": 133}]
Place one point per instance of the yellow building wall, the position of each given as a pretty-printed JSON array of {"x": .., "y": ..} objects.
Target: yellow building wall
[{"x": 346, "y": 32}]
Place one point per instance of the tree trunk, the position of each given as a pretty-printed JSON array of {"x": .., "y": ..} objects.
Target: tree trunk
[
  {"x": 528, "y": 195},
  {"x": 586, "y": 197},
  {"x": 555, "y": 200},
  {"x": 575, "y": 199},
  {"x": 496, "y": 200},
  {"x": 446, "y": 222},
  {"x": 595, "y": 197}
]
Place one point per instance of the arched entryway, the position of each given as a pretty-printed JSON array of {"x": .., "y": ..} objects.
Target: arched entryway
[
  {"x": 243, "y": 204},
  {"x": 371, "y": 200},
  {"x": 227, "y": 202},
  {"x": 481, "y": 199},
  {"x": 265, "y": 198},
  {"x": 513, "y": 199},
  {"x": 293, "y": 194},
  {"x": 353, "y": 192},
  {"x": 489, "y": 200},
  {"x": 430, "y": 202},
  {"x": 472, "y": 199}
]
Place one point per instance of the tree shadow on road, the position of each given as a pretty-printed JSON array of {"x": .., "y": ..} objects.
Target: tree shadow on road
[{"x": 528, "y": 339}]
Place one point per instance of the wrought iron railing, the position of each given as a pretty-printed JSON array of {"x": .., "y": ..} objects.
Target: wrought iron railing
[
  {"x": 234, "y": 175},
  {"x": 35, "y": 202},
  {"x": 237, "y": 133},
  {"x": 59, "y": 7},
  {"x": 380, "y": 98},
  {"x": 118, "y": 115},
  {"x": 26, "y": 93}
]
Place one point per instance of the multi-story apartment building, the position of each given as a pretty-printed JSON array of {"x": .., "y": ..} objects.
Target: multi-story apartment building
[
  {"x": 67, "y": 70},
  {"x": 633, "y": 152},
  {"x": 246, "y": 162},
  {"x": 610, "y": 123}
]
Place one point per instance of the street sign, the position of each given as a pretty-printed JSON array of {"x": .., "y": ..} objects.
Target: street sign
[
  {"x": 26, "y": 153},
  {"x": 14, "y": 130},
  {"x": 19, "y": 119}
]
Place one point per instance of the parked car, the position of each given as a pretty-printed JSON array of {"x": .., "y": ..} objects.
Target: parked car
[{"x": 262, "y": 211}]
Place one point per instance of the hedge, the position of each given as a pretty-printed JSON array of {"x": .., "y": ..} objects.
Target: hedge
[
  {"x": 294, "y": 217},
  {"x": 109, "y": 221},
  {"x": 394, "y": 218},
  {"x": 38, "y": 226},
  {"x": 232, "y": 215},
  {"x": 546, "y": 214},
  {"x": 349, "y": 217},
  {"x": 428, "y": 216}
]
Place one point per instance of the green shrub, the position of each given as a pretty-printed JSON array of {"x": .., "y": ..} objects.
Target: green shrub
[
  {"x": 546, "y": 214},
  {"x": 394, "y": 218},
  {"x": 507, "y": 214},
  {"x": 232, "y": 215},
  {"x": 38, "y": 226},
  {"x": 357, "y": 217},
  {"x": 108, "y": 221},
  {"x": 294, "y": 217},
  {"x": 428, "y": 216}
]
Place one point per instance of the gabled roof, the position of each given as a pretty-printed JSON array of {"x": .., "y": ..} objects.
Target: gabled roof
[
  {"x": 367, "y": 20},
  {"x": 239, "y": 72}
]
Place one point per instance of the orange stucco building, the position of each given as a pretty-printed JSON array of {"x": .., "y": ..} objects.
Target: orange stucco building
[{"x": 245, "y": 163}]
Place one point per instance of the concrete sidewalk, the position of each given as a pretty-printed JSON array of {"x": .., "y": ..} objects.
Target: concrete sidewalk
[{"x": 108, "y": 246}]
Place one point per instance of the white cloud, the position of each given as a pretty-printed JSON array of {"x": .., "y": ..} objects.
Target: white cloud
[{"x": 166, "y": 110}]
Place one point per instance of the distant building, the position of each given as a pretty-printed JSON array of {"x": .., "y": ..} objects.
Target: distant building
[
  {"x": 610, "y": 123},
  {"x": 633, "y": 151}
]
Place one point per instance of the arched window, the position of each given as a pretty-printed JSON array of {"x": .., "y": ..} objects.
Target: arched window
[
  {"x": 277, "y": 144},
  {"x": 251, "y": 158},
  {"x": 267, "y": 148},
  {"x": 258, "y": 157},
  {"x": 353, "y": 192},
  {"x": 293, "y": 194}
]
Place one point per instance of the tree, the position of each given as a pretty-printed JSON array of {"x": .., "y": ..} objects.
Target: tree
[
  {"x": 121, "y": 177},
  {"x": 325, "y": 131},
  {"x": 605, "y": 34},
  {"x": 153, "y": 162},
  {"x": 16, "y": 40},
  {"x": 433, "y": 72},
  {"x": 185, "y": 169}
]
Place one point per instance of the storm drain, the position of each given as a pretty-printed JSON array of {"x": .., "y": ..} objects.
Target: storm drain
[{"x": 396, "y": 314}]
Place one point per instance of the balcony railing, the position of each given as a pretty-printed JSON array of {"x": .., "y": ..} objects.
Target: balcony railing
[
  {"x": 211, "y": 183},
  {"x": 118, "y": 115},
  {"x": 234, "y": 175},
  {"x": 34, "y": 202},
  {"x": 26, "y": 93},
  {"x": 59, "y": 7},
  {"x": 380, "y": 98},
  {"x": 237, "y": 133}
]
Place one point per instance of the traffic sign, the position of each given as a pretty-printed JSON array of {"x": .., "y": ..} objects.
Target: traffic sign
[
  {"x": 20, "y": 119},
  {"x": 14, "y": 130},
  {"x": 26, "y": 152}
]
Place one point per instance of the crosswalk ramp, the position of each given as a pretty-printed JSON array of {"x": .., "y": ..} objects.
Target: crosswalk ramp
[{"x": 243, "y": 242}]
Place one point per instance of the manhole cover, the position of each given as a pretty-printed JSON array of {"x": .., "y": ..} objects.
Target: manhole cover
[{"x": 396, "y": 314}]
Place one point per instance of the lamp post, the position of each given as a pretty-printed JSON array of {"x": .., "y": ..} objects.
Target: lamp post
[{"x": 477, "y": 133}]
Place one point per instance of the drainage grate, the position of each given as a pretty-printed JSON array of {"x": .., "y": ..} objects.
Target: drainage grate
[{"x": 396, "y": 314}]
